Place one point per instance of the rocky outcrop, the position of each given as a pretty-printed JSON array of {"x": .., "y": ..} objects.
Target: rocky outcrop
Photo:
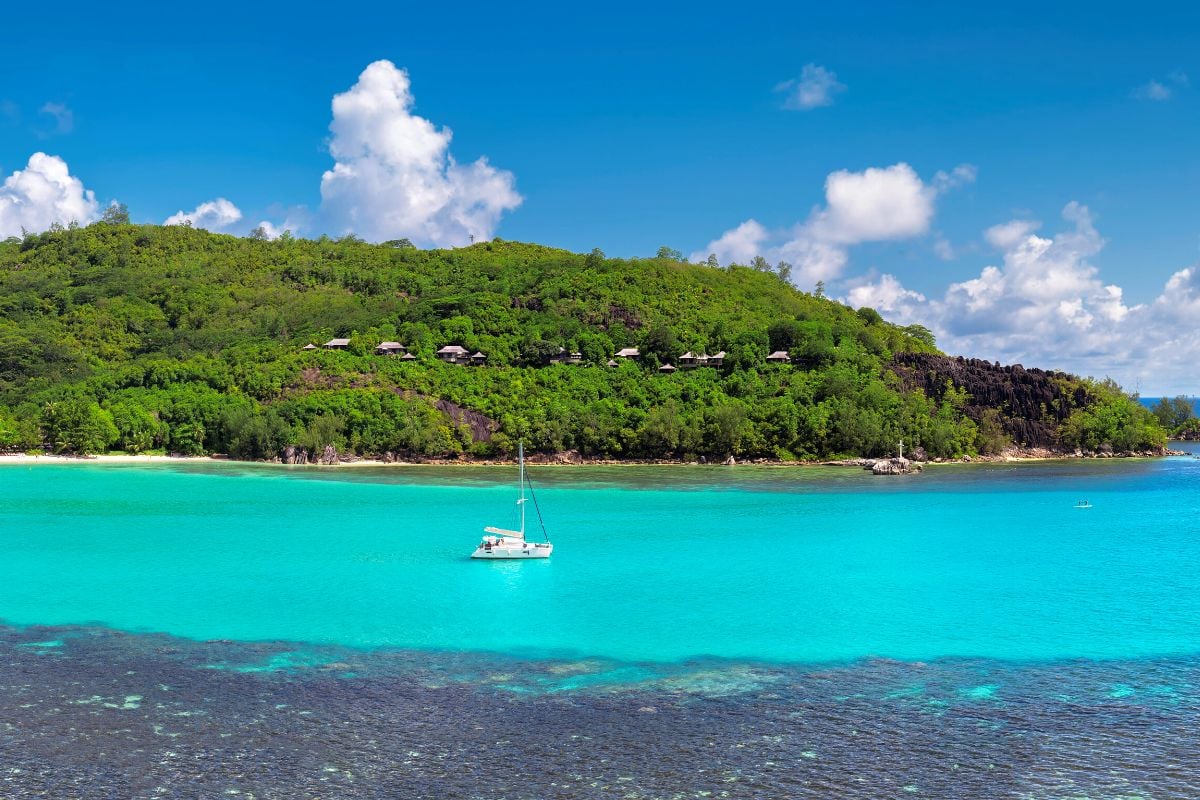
[
  {"x": 481, "y": 426},
  {"x": 891, "y": 466},
  {"x": 1032, "y": 402},
  {"x": 562, "y": 457},
  {"x": 294, "y": 455}
]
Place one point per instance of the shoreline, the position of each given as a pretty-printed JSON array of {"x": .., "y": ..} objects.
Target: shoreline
[{"x": 1032, "y": 455}]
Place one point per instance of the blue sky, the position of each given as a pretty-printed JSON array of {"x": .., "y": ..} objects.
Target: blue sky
[{"x": 626, "y": 127}]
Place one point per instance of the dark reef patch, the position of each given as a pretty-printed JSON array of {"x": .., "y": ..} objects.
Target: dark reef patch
[{"x": 95, "y": 713}]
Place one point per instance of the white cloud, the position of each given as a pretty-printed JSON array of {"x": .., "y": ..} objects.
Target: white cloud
[
  {"x": 394, "y": 176},
  {"x": 815, "y": 87},
  {"x": 888, "y": 297},
  {"x": 1046, "y": 305},
  {"x": 64, "y": 118},
  {"x": 737, "y": 246},
  {"x": 212, "y": 215},
  {"x": 43, "y": 193},
  {"x": 875, "y": 205},
  {"x": 1009, "y": 234}
]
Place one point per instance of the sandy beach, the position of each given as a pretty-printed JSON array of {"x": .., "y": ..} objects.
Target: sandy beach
[{"x": 1012, "y": 456}]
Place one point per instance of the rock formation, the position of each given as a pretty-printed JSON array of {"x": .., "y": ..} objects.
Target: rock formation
[
  {"x": 1033, "y": 402},
  {"x": 891, "y": 466}
]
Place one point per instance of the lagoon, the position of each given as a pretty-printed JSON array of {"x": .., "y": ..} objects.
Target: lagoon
[
  {"x": 751, "y": 632},
  {"x": 652, "y": 564}
]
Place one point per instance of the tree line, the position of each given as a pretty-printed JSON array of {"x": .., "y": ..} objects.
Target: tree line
[{"x": 167, "y": 339}]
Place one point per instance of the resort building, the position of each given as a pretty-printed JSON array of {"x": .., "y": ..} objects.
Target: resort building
[
  {"x": 478, "y": 359},
  {"x": 690, "y": 360},
  {"x": 628, "y": 352},
  {"x": 453, "y": 354},
  {"x": 666, "y": 368},
  {"x": 563, "y": 357},
  {"x": 309, "y": 346},
  {"x": 408, "y": 357},
  {"x": 337, "y": 344},
  {"x": 612, "y": 363},
  {"x": 390, "y": 349},
  {"x": 779, "y": 357}
]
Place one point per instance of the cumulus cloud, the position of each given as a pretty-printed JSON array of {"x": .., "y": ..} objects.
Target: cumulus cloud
[
  {"x": 1160, "y": 90},
  {"x": 886, "y": 295},
  {"x": 43, "y": 193},
  {"x": 737, "y": 246},
  {"x": 815, "y": 87},
  {"x": 394, "y": 175},
  {"x": 875, "y": 205},
  {"x": 1046, "y": 304},
  {"x": 213, "y": 215}
]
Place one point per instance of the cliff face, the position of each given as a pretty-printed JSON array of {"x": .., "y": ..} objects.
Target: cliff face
[{"x": 1031, "y": 402}]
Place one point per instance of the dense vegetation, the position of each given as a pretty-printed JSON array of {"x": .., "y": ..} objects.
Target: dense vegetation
[
  {"x": 1178, "y": 416},
  {"x": 147, "y": 338}
]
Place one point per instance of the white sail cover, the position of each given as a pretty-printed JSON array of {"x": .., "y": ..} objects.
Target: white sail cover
[{"x": 502, "y": 532}]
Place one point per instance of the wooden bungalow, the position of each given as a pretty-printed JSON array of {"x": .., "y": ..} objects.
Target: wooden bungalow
[
  {"x": 408, "y": 357},
  {"x": 309, "y": 346},
  {"x": 779, "y": 357},
  {"x": 390, "y": 349},
  {"x": 612, "y": 363},
  {"x": 689, "y": 360},
  {"x": 628, "y": 352},
  {"x": 337, "y": 344},
  {"x": 478, "y": 359},
  {"x": 453, "y": 354},
  {"x": 666, "y": 368},
  {"x": 563, "y": 357},
  {"x": 717, "y": 359}
]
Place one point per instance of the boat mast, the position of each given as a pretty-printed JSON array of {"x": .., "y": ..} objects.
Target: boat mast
[{"x": 521, "y": 488}]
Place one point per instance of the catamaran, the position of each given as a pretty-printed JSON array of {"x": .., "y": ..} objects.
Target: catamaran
[{"x": 501, "y": 543}]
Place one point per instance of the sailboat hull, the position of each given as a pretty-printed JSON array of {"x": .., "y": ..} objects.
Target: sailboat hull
[{"x": 515, "y": 550}]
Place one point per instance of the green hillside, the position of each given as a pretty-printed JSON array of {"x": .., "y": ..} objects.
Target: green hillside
[{"x": 167, "y": 338}]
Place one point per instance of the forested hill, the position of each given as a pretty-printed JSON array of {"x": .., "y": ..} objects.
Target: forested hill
[{"x": 146, "y": 338}]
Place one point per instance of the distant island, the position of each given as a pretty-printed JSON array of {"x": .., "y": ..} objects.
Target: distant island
[{"x": 143, "y": 338}]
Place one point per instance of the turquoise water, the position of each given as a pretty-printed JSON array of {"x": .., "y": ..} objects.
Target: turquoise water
[{"x": 654, "y": 564}]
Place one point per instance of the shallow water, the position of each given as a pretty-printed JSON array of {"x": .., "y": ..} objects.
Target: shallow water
[
  {"x": 650, "y": 563},
  {"x": 230, "y": 630}
]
